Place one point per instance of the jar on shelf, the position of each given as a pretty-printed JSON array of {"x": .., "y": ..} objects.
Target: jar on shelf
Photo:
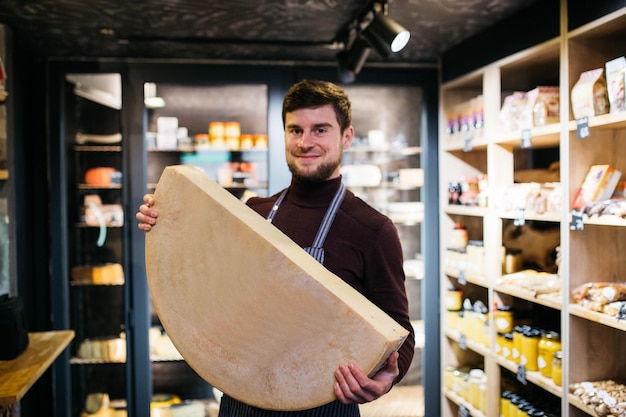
[
  {"x": 476, "y": 377},
  {"x": 518, "y": 334},
  {"x": 557, "y": 368},
  {"x": 505, "y": 403},
  {"x": 530, "y": 349},
  {"x": 454, "y": 299},
  {"x": 458, "y": 237},
  {"x": 512, "y": 261},
  {"x": 503, "y": 319},
  {"x": 549, "y": 344}
]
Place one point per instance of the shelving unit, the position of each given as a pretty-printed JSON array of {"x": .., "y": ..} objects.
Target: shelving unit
[{"x": 591, "y": 341}]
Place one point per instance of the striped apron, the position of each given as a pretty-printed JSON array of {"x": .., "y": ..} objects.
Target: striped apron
[{"x": 230, "y": 407}]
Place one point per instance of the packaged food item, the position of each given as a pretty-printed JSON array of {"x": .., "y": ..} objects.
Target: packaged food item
[
  {"x": 511, "y": 111},
  {"x": 549, "y": 344},
  {"x": 596, "y": 295},
  {"x": 615, "y": 73},
  {"x": 589, "y": 95},
  {"x": 599, "y": 185},
  {"x": 542, "y": 108}
]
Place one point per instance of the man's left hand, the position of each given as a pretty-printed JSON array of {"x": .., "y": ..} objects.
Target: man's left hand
[{"x": 353, "y": 386}]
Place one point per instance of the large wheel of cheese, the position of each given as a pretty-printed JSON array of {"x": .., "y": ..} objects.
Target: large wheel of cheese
[{"x": 250, "y": 311}]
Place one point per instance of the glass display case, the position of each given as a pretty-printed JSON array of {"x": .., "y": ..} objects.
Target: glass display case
[{"x": 92, "y": 251}]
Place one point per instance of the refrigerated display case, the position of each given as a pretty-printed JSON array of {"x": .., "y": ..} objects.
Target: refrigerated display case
[{"x": 90, "y": 239}]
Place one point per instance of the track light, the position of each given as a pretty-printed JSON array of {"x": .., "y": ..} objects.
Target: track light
[
  {"x": 351, "y": 60},
  {"x": 386, "y": 35},
  {"x": 371, "y": 27}
]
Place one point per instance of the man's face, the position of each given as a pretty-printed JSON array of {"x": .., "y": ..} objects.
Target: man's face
[{"x": 314, "y": 143}]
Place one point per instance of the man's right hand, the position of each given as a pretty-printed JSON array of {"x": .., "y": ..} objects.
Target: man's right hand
[{"x": 147, "y": 216}]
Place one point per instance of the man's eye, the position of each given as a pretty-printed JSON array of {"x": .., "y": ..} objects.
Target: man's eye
[{"x": 321, "y": 130}]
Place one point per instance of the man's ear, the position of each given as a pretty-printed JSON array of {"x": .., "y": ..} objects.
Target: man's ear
[{"x": 348, "y": 135}]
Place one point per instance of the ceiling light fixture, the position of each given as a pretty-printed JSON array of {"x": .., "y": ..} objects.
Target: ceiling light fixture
[
  {"x": 351, "y": 60},
  {"x": 386, "y": 35},
  {"x": 371, "y": 27}
]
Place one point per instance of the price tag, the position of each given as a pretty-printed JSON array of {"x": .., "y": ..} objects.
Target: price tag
[
  {"x": 461, "y": 278},
  {"x": 468, "y": 143},
  {"x": 526, "y": 139},
  {"x": 582, "y": 127},
  {"x": 521, "y": 374},
  {"x": 520, "y": 217},
  {"x": 462, "y": 342},
  {"x": 577, "y": 220},
  {"x": 463, "y": 411}
]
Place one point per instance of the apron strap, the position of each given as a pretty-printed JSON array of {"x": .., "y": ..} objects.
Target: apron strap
[{"x": 316, "y": 249}]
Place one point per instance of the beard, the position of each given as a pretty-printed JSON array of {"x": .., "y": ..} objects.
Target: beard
[{"x": 321, "y": 173}]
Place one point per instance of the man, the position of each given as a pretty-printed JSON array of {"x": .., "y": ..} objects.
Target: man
[{"x": 350, "y": 238}]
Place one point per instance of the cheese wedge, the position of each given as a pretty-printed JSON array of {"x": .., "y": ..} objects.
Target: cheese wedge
[{"x": 250, "y": 311}]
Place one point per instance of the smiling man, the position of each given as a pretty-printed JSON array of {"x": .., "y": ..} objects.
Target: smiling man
[{"x": 341, "y": 231}]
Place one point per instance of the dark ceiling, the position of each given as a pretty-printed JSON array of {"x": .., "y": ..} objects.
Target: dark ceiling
[{"x": 272, "y": 30}]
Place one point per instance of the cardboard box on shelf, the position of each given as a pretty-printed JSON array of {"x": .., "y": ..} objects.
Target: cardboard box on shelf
[{"x": 599, "y": 185}]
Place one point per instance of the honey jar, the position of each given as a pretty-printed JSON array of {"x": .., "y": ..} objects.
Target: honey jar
[
  {"x": 505, "y": 403},
  {"x": 504, "y": 319},
  {"x": 530, "y": 349},
  {"x": 454, "y": 299},
  {"x": 517, "y": 343},
  {"x": 512, "y": 261},
  {"x": 557, "y": 370},
  {"x": 549, "y": 344}
]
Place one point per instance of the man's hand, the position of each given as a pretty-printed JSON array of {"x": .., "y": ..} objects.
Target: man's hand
[
  {"x": 353, "y": 386},
  {"x": 147, "y": 216}
]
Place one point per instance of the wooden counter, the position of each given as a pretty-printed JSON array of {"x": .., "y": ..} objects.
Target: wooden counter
[{"x": 17, "y": 376}]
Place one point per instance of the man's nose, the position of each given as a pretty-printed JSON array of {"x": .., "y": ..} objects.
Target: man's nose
[{"x": 305, "y": 140}]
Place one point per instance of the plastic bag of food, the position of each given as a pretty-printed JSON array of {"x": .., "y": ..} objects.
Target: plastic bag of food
[
  {"x": 596, "y": 295},
  {"x": 589, "y": 95},
  {"x": 615, "y": 70}
]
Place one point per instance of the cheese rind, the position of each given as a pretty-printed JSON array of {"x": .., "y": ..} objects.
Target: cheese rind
[{"x": 250, "y": 311}]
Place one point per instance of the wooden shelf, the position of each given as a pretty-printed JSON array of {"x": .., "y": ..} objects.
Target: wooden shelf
[
  {"x": 591, "y": 254},
  {"x": 470, "y": 344},
  {"x": 533, "y": 377},
  {"x": 548, "y": 300},
  {"x": 604, "y": 220},
  {"x": 98, "y": 148},
  {"x": 460, "y": 210},
  {"x": 540, "y": 137},
  {"x": 608, "y": 121},
  {"x": 461, "y": 402},
  {"x": 17, "y": 376},
  {"x": 548, "y": 216},
  {"x": 596, "y": 317},
  {"x": 576, "y": 402}
]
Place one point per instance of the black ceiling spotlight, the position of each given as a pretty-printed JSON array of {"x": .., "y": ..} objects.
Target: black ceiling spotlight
[
  {"x": 385, "y": 34},
  {"x": 371, "y": 27},
  {"x": 351, "y": 60}
]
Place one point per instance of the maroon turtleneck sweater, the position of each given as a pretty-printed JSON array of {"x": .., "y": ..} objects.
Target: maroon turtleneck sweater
[{"x": 362, "y": 247}]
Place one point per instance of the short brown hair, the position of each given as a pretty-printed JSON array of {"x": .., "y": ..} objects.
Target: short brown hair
[{"x": 316, "y": 93}]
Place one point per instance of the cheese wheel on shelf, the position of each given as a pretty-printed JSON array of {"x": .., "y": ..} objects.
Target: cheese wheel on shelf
[{"x": 250, "y": 311}]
